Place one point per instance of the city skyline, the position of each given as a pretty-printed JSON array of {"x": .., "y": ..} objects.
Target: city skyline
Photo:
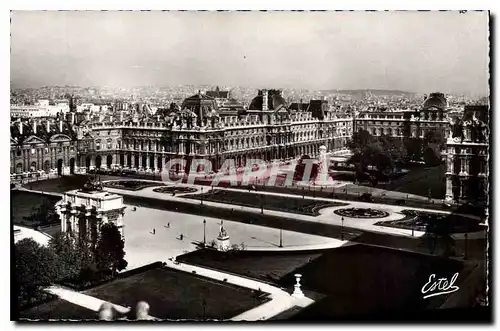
[{"x": 411, "y": 51}]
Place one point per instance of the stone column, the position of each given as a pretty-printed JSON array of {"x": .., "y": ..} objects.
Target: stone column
[
  {"x": 132, "y": 160},
  {"x": 147, "y": 160},
  {"x": 449, "y": 188}
]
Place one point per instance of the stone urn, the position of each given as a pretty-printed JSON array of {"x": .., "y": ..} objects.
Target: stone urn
[{"x": 297, "y": 293}]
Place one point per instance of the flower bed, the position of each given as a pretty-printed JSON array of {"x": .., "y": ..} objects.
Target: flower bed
[
  {"x": 272, "y": 202},
  {"x": 131, "y": 185},
  {"x": 361, "y": 213},
  {"x": 419, "y": 221},
  {"x": 174, "y": 190}
]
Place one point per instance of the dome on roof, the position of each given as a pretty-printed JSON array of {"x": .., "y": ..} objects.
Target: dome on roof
[
  {"x": 256, "y": 103},
  {"x": 437, "y": 100},
  {"x": 278, "y": 101}
]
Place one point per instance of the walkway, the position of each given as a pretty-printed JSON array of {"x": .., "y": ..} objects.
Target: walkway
[
  {"x": 83, "y": 300},
  {"x": 55, "y": 194}
]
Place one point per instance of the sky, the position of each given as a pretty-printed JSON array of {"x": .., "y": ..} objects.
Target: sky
[{"x": 412, "y": 51}]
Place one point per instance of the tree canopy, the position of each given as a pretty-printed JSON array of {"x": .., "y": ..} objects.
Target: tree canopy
[
  {"x": 110, "y": 251},
  {"x": 35, "y": 269}
]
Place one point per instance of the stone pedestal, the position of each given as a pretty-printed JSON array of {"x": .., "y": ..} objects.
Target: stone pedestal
[
  {"x": 223, "y": 243},
  {"x": 297, "y": 292}
]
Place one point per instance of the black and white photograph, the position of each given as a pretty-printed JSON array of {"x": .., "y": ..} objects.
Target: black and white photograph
[{"x": 250, "y": 166}]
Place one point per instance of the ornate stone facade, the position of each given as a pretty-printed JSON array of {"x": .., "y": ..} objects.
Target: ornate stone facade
[
  {"x": 198, "y": 130},
  {"x": 83, "y": 212},
  {"x": 43, "y": 144},
  {"x": 407, "y": 123},
  {"x": 467, "y": 157}
]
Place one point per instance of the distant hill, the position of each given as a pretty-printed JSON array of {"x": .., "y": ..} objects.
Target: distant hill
[{"x": 374, "y": 92}]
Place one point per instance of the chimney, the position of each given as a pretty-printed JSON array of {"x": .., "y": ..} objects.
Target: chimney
[{"x": 264, "y": 99}]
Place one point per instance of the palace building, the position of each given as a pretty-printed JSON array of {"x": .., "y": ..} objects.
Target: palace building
[
  {"x": 200, "y": 129},
  {"x": 407, "y": 123},
  {"x": 467, "y": 157},
  {"x": 43, "y": 144},
  {"x": 211, "y": 126}
]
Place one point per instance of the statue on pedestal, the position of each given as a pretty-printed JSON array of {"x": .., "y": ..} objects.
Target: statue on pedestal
[
  {"x": 322, "y": 177},
  {"x": 223, "y": 242}
]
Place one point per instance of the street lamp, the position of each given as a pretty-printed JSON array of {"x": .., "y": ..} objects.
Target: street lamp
[
  {"x": 465, "y": 243},
  {"x": 262, "y": 203},
  {"x": 342, "y": 229},
  {"x": 281, "y": 237},
  {"x": 204, "y": 232},
  {"x": 201, "y": 196}
]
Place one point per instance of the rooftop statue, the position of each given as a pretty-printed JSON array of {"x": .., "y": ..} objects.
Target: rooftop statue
[{"x": 92, "y": 184}]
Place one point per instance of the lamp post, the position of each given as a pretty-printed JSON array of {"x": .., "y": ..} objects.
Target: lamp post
[
  {"x": 262, "y": 203},
  {"x": 204, "y": 232},
  {"x": 281, "y": 237},
  {"x": 201, "y": 196},
  {"x": 342, "y": 229},
  {"x": 204, "y": 304},
  {"x": 465, "y": 243}
]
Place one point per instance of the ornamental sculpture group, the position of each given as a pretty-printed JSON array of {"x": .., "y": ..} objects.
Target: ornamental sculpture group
[{"x": 92, "y": 185}]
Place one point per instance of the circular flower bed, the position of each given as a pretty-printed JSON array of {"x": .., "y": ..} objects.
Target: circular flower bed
[
  {"x": 435, "y": 222},
  {"x": 131, "y": 185},
  {"x": 361, "y": 213},
  {"x": 175, "y": 190}
]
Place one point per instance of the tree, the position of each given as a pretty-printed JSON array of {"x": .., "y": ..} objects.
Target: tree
[
  {"x": 35, "y": 269},
  {"x": 110, "y": 251},
  {"x": 359, "y": 140},
  {"x": 68, "y": 261},
  {"x": 43, "y": 215},
  {"x": 432, "y": 156},
  {"x": 413, "y": 149},
  {"x": 394, "y": 148}
]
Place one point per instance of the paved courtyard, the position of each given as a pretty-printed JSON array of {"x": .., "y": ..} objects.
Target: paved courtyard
[{"x": 143, "y": 247}]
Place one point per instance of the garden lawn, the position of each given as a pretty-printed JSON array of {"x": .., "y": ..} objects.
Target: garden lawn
[
  {"x": 178, "y": 295},
  {"x": 24, "y": 204},
  {"x": 270, "y": 202},
  {"x": 58, "y": 310}
]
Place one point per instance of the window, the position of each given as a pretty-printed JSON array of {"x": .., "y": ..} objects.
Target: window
[
  {"x": 32, "y": 151},
  {"x": 18, "y": 152}
]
